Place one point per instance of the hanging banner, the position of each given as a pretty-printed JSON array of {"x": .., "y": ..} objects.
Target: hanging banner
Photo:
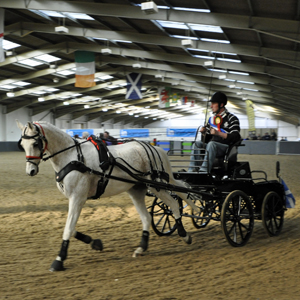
[
  {"x": 164, "y": 95},
  {"x": 250, "y": 114},
  {"x": 2, "y": 57}
]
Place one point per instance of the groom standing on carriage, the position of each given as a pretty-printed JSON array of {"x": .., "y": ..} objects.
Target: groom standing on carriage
[{"x": 221, "y": 131}]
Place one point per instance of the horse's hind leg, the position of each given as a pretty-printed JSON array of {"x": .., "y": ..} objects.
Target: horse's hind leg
[
  {"x": 173, "y": 204},
  {"x": 137, "y": 194}
]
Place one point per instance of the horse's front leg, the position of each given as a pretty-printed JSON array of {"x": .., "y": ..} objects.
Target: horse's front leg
[{"x": 75, "y": 207}]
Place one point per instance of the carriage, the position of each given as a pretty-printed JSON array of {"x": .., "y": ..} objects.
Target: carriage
[
  {"x": 87, "y": 169},
  {"x": 231, "y": 193}
]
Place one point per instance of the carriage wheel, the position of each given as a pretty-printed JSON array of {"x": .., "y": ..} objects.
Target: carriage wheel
[
  {"x": 163, "y": 221},
  {"x": 237, "y": 218},
  {"x": 272, "y": 213},
  {"x": 204, "y": 213}
]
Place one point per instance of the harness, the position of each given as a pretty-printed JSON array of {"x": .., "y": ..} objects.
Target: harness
[{"x": 106, "y": 161}]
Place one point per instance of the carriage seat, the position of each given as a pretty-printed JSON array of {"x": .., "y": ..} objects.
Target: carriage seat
[{"x": 227, "y": 161}]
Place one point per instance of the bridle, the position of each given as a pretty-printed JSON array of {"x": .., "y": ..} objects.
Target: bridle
[{"x": 40, "y": 142}]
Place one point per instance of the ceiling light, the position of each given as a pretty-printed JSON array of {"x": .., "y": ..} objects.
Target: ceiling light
[
  {"x": 9, "y": 53},
  {"x": 158, "y": 76},
  {"x": 232, "y": 86},
  {"x": 52, "y": 66},
  {"x": 55, "y": 80},
  {"x": 104, "y": 109},
  {"x": 118, "y": 111},
  {"x": 41, "y": 99},
  {"x": 222, "y": 77},
  {"x": 66, "y": 103},
  {"x": 187, "y": 43},
  {"x": 10, "y": 94},
  {"x": 136, "y": 66},
  {"x": 61, "y": 29},
  {"x": 244, "y": 98},
  {"x": 86, "y": 106},
  {"x": 136, "y": 116},
  {"x": 208, "y": 63},
  {"x": 239, "y": 93},
  {"x": 149, "y": 7},
  {"x": 106, "y": 51}
]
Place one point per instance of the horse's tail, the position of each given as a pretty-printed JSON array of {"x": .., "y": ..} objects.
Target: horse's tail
[{"x": 168, "y": 168}]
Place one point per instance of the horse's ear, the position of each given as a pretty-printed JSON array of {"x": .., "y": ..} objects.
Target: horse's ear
[
  {"x": 20, "y": 125},
  {"x": 30, "y": 125}
]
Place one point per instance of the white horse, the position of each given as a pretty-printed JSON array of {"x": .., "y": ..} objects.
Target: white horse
[{"x": 43, "y": 140}]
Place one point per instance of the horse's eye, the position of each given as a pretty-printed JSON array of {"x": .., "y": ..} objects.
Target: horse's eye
[{"x": 35, "y": 144}]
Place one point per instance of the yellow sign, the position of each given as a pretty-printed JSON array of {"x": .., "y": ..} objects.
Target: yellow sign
[{"x": 250, "y": 114}]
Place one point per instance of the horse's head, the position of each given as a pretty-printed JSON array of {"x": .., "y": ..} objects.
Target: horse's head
[{"x": 34, "y": 143}]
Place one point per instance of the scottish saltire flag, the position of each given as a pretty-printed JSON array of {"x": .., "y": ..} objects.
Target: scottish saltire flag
[
  {"x": 2, "y": 58},
  {"x": 290, "y": 201},
  {"x": 85, "y": 69},
  {"x": 134, "y": 86}
]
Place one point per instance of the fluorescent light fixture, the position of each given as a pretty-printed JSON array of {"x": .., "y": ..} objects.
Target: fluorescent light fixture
[
  {"x": 192, "y": 9},
  {"x": 158, "y": 76},
  {"x": 104, "y": 109},
  {"x": 9, "y": 53},
  {"x": 232, "y": 86},
  {"x": 130, "y": 114},
  {"x": 55, "y": 80},
  {"x": 65, "y": 72},
  {"x": 30, "y": 62},
  {"x": 203, "y": 56},
  {"x": 122, "y": 41},
  {"x": 21, "y": 83},
  {"x": 38, "y": 92},
  {"x": 41, "y": 99},
  {"x": 239, "y": 93},
  {"x": 225, "y": 53},
  {"x": 154, "y": 119},
  {"x": 239, "y": 73},
  {"x": 176, "y": 25},
  {"x": 105, "y": 77},
  {"x": 10, "y": 94},
  {"x": 7, "y": 86},
  {"x": 136, "y": 116},
  {"x": 66, "y": 103},
  {"x": 207, "y": 28},
  {"x": 184, "y": 37},
  {"x": 118, "y": 112},
  {"x": 146, "y": 117},
  {"x": 50, "y": 90},
  {"x": 244, "y": 98},
  {"x": 230, "y": 60},
  {"x": 79, "y": 16},
  {"x": 47, "y": 58},
  {"x": 222, "y": 77},
  {"x": 86, "y": 106},
  {"x": 7, "y": 45},
  {"x": 215, "y": 41},
  {"x": 246, "y": 82},
  {"x": 252, "y": 90},
  {"x": 149, "y": 7},
  {"x": 217, "y": 70}
]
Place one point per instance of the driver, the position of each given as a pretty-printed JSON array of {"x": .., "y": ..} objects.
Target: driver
[{"x": 222, "y": 130}]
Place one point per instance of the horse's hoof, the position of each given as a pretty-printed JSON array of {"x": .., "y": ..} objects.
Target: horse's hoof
[
  {"x": 57, "y": 265},
  {"x": 97, "y": 245},
  {"x": 138, "y": 252},
  {"x": 187, "y": 239}
]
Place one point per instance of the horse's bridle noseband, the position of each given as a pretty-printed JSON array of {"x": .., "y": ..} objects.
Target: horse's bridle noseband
[{"x": 39, "y": 138}]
